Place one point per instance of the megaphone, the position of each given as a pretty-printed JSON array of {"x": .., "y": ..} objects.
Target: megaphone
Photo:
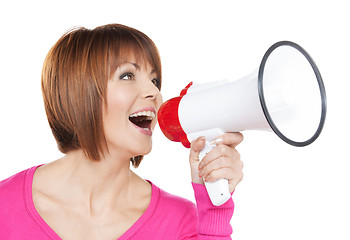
[{"x": 285, "y": 95}]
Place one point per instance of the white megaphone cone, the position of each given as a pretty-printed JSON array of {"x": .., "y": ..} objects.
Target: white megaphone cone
[{"x": 286, "y": 96}]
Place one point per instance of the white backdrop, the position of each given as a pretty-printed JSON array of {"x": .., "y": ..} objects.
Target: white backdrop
[{"x": 287, "y": 192}]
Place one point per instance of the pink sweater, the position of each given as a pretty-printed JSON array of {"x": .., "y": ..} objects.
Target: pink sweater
[{"x": 167, "y": 217}]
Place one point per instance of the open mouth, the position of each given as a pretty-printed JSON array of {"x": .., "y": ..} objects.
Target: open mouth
[{"x": 142, "y": 119}]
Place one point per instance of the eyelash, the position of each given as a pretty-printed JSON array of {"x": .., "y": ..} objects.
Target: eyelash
[
  {"x": 131, "y": 76},
  {"x": 127, "y": 74},
  {"x": 156, "y": 82}
]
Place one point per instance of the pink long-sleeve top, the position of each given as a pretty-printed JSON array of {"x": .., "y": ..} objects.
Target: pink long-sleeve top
[{"x": 167, "y": 216}]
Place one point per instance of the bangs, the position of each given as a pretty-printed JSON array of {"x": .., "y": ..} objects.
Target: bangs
[{"x": 134, "y": 46}]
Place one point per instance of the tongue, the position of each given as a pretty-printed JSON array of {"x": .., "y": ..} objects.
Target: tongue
[
  {"x": 144, "y": 124},
  {"x": 141, "y": 122}
]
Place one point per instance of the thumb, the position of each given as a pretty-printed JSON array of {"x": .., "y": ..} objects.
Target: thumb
[{"x": 196, "y": 147}]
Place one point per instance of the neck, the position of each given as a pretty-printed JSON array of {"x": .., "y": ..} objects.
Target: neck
[{"x": 96, "y": 185}]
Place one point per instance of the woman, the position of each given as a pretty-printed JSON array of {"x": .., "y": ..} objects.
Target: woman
[{"x": 101, "y": 91}]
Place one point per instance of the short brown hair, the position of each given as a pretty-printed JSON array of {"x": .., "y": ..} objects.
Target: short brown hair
[{"x": 74, "y": 81}]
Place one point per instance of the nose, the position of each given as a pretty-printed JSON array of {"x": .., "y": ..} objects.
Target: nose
[{"x": 151, "y": 92}]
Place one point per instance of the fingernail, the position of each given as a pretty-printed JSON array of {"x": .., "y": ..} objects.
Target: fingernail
[
  {"x": 217, "y": 141},
  {"x": 201, "y": 138}
]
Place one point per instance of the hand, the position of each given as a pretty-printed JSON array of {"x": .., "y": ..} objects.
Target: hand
[{"x": 221, "y": 162}]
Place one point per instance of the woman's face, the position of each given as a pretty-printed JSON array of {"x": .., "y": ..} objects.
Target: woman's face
[{"x": 133, "y": 100}]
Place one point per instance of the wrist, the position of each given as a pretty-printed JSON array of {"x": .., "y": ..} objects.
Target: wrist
[{"x": 197, "y": 179}]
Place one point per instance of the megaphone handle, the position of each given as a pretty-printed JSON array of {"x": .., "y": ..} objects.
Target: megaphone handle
[{"x": 218, "y": 191}]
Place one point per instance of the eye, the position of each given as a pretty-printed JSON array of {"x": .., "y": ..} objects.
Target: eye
[
  {"x": 156, "y": 82},
  {"x": 127, "y": 76}
]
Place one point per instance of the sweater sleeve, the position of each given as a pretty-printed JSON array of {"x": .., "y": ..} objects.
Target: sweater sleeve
[{"x": 213, "y": 221}]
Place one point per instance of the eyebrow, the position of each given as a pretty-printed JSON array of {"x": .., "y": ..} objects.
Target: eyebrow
[
  {"x": 135, "y": 65},
  {"x": 138, "y": 67}
]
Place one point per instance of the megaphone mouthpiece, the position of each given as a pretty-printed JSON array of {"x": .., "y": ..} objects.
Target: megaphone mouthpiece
[{"x": 169, "y": 123}]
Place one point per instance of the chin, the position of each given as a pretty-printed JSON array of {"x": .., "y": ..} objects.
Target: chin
[
  {"x": 141, "y": 148},
  {"x": 144, "y": 151}
]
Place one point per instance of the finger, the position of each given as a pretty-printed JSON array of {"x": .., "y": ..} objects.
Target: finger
[
  {"x": 218, "y": 152},
  {"x": 223, "y": 162},
  {"x": 224, "y": 173},
  {"x": 229, "y": 139},
  {"x": 234, "y": 176}
]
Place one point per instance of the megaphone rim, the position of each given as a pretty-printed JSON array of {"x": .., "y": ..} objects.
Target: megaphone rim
[{"x": 321, "y": 88}]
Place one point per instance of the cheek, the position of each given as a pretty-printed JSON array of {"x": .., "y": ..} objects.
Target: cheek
[
  {"x": 118, "y": 107},
  {"x": 119, "y": 99}
]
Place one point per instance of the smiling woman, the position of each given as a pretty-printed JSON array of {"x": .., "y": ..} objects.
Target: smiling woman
[
  {"x": 101, "y": 91},
  {"x": 131, "y": 103},
  {"x": 74, "y": 103}
]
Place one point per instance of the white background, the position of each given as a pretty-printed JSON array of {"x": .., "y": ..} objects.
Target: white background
[{"x": 287, "y": 192}]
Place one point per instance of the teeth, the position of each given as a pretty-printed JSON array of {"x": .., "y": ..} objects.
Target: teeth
[{"x": 148, "y": 114}]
